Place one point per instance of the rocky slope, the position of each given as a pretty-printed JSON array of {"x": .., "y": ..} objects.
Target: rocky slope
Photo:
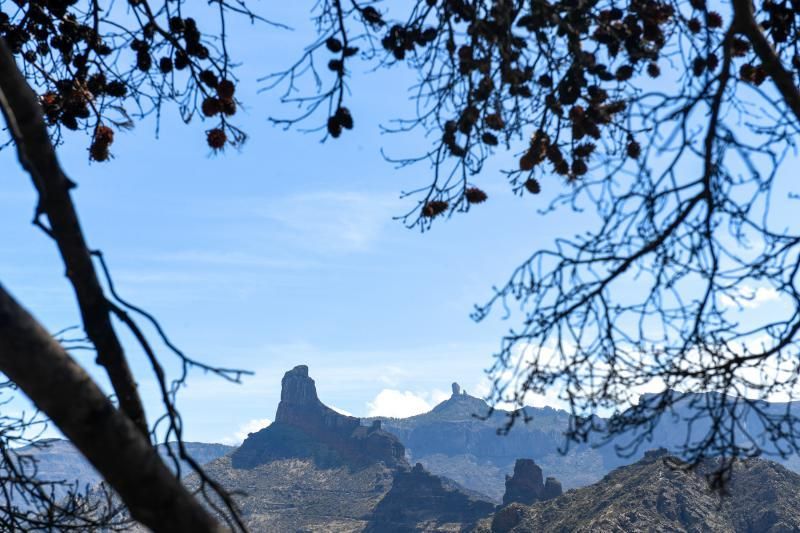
[
  {"x": 655, "y": 494},
  {"x": 425, "y": 502},
  {"x": 316, "y": 470},
  {"x": 298, "y": 495}
]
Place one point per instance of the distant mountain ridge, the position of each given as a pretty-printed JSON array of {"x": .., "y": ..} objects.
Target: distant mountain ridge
[
  {"x": 316, "y": 469},
  {"x": 459, "y": 439},
  {"x": 59, "y": 460}
]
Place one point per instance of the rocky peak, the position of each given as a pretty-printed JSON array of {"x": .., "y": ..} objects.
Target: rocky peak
[
  {"x": 304, "y": 427},
  {"x": 300, "y": 406},
  {"x": 419, "y": 497},
  {"x": 653, "y": 455},
  {"x": 459, "y": 392},
  {"x": 298, "y": 388},
  {"x": 552, "y": 488},
  {"x": 527, "y": 485},
  {"x": 459, "y": 406}
]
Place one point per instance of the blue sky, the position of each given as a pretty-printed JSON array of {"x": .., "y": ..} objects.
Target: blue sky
[
  {"x": 285, "y": 252},
  {"x": 282, "y": 253}
]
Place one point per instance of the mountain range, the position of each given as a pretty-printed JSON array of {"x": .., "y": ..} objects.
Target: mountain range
[
  {"x": 57, "y": 460},
  {"x": 459, "y": 439},
  {"x": 314, "y": 469}
]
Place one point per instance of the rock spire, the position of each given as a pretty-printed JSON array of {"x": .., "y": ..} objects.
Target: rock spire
[{"x": 304, "y": 427}]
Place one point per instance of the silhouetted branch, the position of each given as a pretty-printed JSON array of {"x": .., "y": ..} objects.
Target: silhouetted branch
[
  {"x": 58, "y": 386},
  {"x": 653, "y": 119},
  {"x": 36, "y": 154}
]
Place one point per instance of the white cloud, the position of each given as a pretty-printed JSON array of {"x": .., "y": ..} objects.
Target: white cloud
[
  {"x": 749, "y": 298},
  {"x": 514, "y": 376},
  {"x": 401, "y": 404},
  {"x": 251, "y": 426}
]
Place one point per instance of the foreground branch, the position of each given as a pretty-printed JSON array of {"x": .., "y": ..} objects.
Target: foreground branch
[
  {"x": 23, "y": 115},
  {"x": 61, "y": 389}
]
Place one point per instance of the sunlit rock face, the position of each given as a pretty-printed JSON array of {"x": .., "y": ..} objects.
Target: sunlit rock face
[{"x": 304, "y": 427}]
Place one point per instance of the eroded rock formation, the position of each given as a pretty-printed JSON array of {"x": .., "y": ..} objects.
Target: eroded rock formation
[
  {"x": 527, "y": 485},
  {"x": 314, "y": 469},
  {"x": 306, "y": 428},
  {"x": 552, "y": 488},
  {"x": 419, "y": 497}
]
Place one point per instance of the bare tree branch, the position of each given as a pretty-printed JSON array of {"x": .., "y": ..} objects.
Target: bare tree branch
[
  {"x": 24, "y": 116},
  {"x": 652, "y": 119},
  {"x": 106, "y": 437}
]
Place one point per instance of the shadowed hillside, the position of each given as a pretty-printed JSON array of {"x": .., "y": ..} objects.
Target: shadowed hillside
[{"x": 655, "y": 494}]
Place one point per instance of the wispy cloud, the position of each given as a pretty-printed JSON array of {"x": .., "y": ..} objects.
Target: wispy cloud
[
  {"x": 550, "y": 399},
  {"x": 225, "y": 258},
  {"x": 290, "y": 233},
  {"x": 331, "y": 221}
]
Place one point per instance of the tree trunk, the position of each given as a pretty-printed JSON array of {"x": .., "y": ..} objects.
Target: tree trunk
[{"x": 47, "y": 374}]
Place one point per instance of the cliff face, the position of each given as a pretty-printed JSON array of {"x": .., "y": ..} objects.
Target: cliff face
[{"x": 306, "y": 428}]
